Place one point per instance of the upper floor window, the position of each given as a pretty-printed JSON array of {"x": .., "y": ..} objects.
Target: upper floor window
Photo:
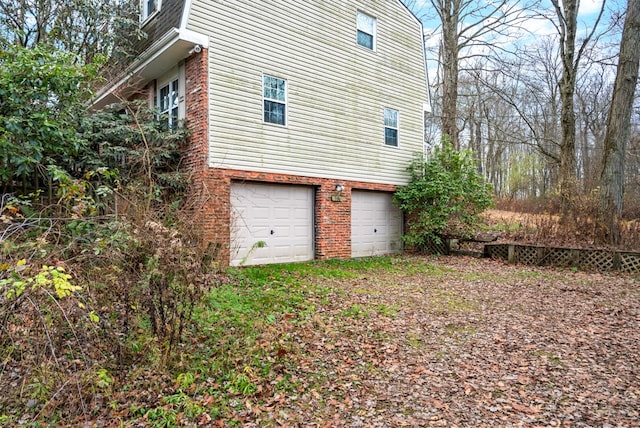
[
  {"x": 148, "y": 8},
  {"x": 168, "y": 104},
  {"x": 391, "y": 127},
  {"x": 366, "y": 30},
  {"x": 274, "y": 93}
]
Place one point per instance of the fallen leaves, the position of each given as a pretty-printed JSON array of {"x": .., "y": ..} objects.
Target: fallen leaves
[
  {"x": 474, "y": 344},
  {"x": 451, "y": 342},
  {"x": 526, "y": 409}
]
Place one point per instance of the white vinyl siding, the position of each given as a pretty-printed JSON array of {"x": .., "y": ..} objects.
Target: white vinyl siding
[{"x": 336, "y": 89}]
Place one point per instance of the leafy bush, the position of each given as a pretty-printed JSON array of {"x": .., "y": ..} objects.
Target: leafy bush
[
  {"x": 444, "y": 196},
  {"x": 129, "y": 138},
  {"x": 49, "y": 140},
  {"x": 42, "y": 95}
]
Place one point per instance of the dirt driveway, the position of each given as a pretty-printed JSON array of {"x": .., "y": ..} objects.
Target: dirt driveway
[{"x": 463, "y": 342}]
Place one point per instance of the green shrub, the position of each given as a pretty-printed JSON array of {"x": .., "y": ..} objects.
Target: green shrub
[
  {"x": 42, "y": 96},
  {"x": 444, "y": 196}
]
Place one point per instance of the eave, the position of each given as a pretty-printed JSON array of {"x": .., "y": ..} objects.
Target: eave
[{"x": 160, "y": 57}]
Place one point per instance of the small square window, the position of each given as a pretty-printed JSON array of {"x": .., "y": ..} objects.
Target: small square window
[
  {"x": 366, "y": 34},
  {"x": 274, "y": 94},
  {"x": 391, "y": 127}
]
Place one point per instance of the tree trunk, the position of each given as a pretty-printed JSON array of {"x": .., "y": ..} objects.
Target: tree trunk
[
  {"x": 450, "y": 15},
  {"x": 568, "y": 180},
  {"x": 618, "y": 130},
  {"x": 478, "y": 148},
  {"x": 568, "y": 26}
]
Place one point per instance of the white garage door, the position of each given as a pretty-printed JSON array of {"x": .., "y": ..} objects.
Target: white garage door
[
  {"x": 376, "y": 224},
  {"x": 271, "y": 223}
]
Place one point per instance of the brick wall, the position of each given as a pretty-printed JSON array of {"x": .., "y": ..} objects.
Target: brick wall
[
  {"x": 332, "y": 209},
  {"x": 197, "y": 112}
]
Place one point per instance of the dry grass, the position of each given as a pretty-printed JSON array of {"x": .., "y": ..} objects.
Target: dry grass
[{"x": 550, "y": 229}]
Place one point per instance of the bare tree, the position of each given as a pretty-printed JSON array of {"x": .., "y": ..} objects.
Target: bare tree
[
  {"x": 547, "y": 113},
  {"x": 593, "y": 99},
  {"x": 469, "y": 28},
  {"x": 520, "y": 105},
  {"x": 618, "y": 129},
  {"x": 566, "y": 25}
]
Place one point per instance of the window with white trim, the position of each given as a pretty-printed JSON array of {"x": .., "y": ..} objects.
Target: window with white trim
[
  {"x": 168, "y": 104},
  {"x": 391, "y": 127},
  {"x": 274, "y": 94},
  {"x": 366, "y": 30},
  {"x": 148, "y": 8}
]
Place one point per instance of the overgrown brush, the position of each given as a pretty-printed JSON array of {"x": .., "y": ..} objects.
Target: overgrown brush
[
  {"x": 576, "y": 229},
  {"x": 89, "y": 293},
  {"x": 77, "y": 315}
]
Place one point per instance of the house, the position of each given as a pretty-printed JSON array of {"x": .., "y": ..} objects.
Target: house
[{"x": 304, "y": 117}]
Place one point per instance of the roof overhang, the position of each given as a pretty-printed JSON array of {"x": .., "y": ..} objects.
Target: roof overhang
[{"x": 159, "y": 58}]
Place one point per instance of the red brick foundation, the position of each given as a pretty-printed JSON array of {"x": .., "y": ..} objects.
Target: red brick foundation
[{"x": 332, "y": 209}]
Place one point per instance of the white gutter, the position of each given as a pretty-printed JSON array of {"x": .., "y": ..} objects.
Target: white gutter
[{"x": 194, "y": 37}]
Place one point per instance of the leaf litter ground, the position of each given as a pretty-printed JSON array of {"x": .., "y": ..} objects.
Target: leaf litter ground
[
  {"x": 410, "y": 341},
  {"x": 464, "y": 342}
]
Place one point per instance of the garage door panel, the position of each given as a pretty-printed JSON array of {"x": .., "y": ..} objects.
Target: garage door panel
[
  {"x": 280, "y": 216},
  {"x": 282, "y": 213},
  {"x": 260, "y": 214},
  {"x": 376, "y": 224}
]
